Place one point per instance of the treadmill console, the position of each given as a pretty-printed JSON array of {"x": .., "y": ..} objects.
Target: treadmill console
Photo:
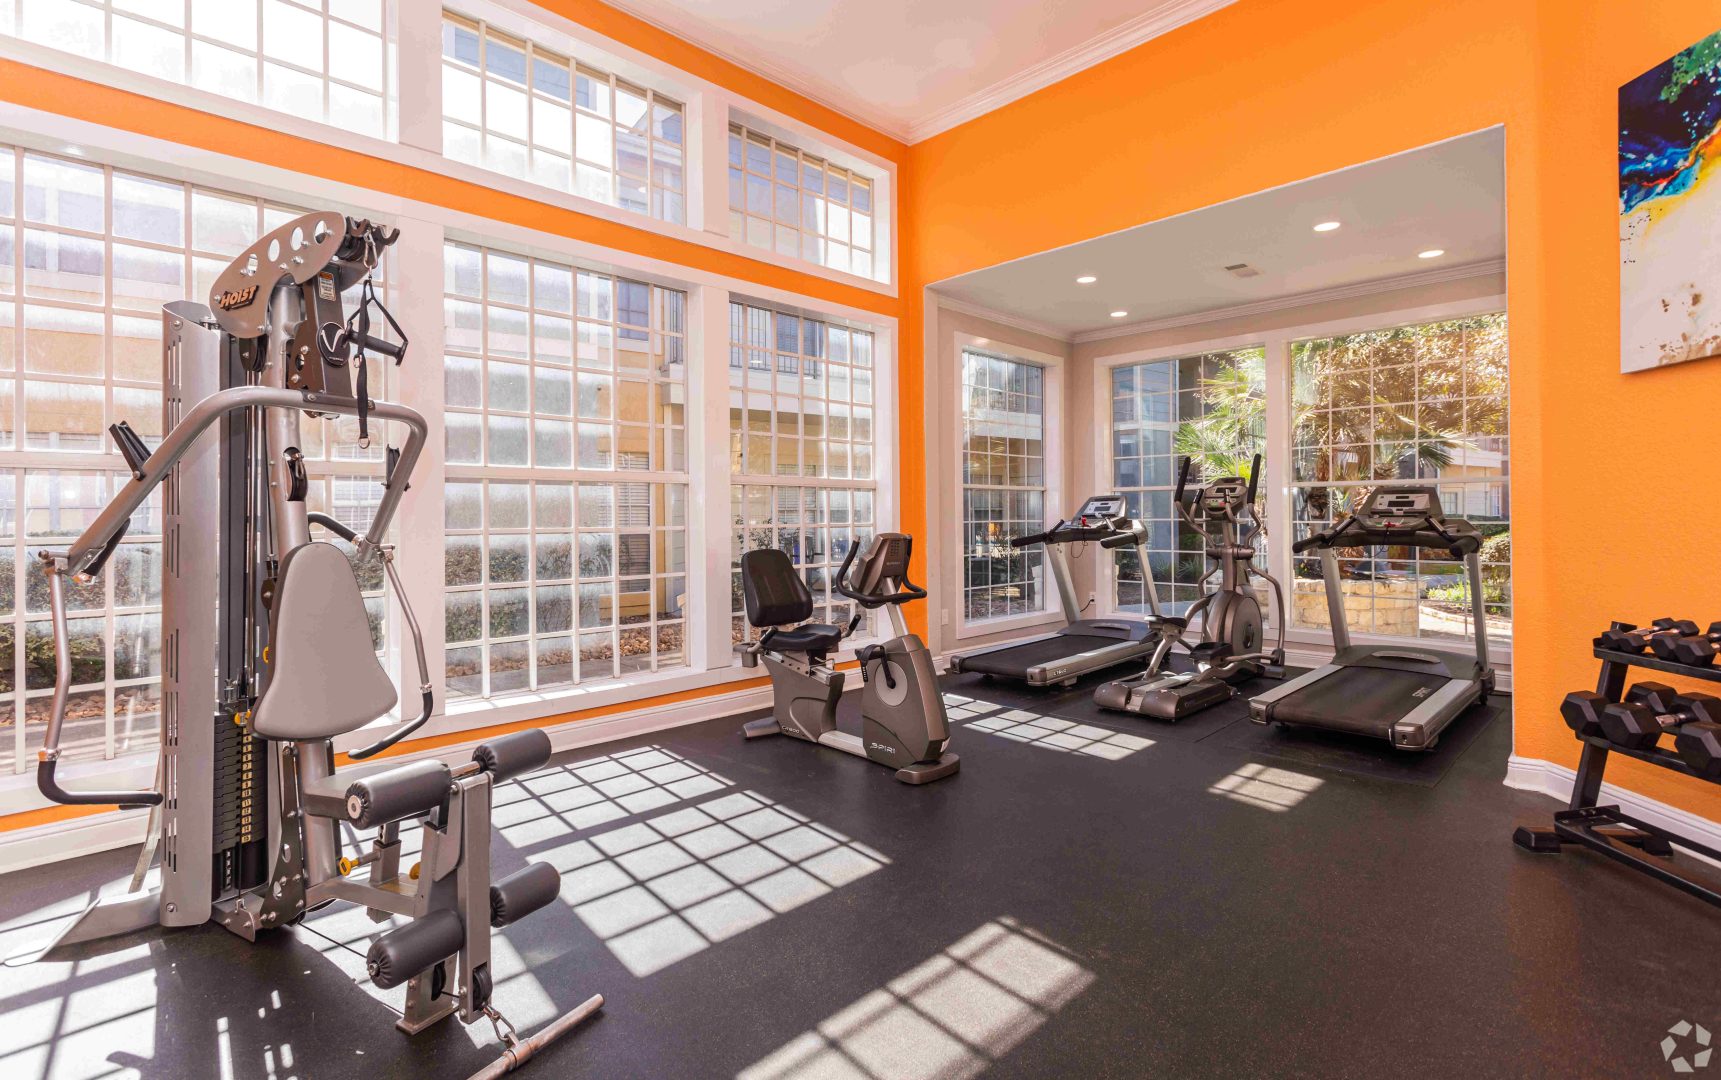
[
  {"x": 1400, "y": 508},
  {"x": 1100, "y": 508}
]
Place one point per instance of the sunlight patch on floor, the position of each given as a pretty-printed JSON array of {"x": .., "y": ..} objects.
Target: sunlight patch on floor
[{"x": 946, "y": 1019}]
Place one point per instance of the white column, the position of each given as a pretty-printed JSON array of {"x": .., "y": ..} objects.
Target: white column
[
  {"x": 708, "y": 164},
  {"x": 417, "y": 268},
  {"x": 418, "y": 48},
  {"x": 1277, "y": 485},
  {"x": 708, "y": 529}
]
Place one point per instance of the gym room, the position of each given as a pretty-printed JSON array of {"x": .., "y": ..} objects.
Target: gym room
[{"x": 882, "y": 541}]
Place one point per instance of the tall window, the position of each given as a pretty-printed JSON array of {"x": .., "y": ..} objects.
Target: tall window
[
  {"x": 524, "y": 110},
  {"x": 291, "y": 55},
  {"x": 88, "y": 255},
  {"x": 1209, "y": 408},
  {"x": 1425, "y": 402},
  {"x": 567, "y": 467},
  {"x": 801, "y": 445},
  {"x": 1003, "y": 485},
  {"x": 799, "y": 205}
]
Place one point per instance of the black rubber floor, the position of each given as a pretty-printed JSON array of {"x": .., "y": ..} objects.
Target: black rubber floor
[{"x": 1093, "y": 895}]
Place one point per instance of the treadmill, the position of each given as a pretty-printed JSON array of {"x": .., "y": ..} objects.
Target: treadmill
[
  {"x": 1082, "y": 645},
  {"x": 1405, "y": 694}
]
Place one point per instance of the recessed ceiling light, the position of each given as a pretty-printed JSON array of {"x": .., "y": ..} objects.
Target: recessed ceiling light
[
  {"x": 1086, "y": 279},
  {"x": 1431, "y": 253},
  {"x": 1327, "y": 226},
  {"x": 1120, "y": 314},
  {"x": 75, "y": 151}
]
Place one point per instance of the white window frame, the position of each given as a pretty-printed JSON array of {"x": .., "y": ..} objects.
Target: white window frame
[
  {"x": 1276, "y": 483},
  {"x": 740, "y": 129},
  {"x": 1052, "y": 505},
  {"x": 414, "y": 42},
  {"x": 417, "y": 290}
]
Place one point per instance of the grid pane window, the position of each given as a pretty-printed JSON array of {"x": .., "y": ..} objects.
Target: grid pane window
[
  {"x": 331, "y": 66},
  {"x": 557, "y": 576},
  {"x": 88, "y": 254},
  {"x": 1209, "y": 408},
  {"x": 800, "y": 396},
  {"x": 1003, "y": 485},
  {"x": 558, "y": 583},
  {"x": 799, "y": 205},
  {"x": 801, "y": 446},
  {"x": 517, "y": 108},
  {"x": 1410, "y": 403},
  {"x": 816, "y": 527}
]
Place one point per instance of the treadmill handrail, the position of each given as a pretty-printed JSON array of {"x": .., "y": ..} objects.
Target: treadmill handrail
[{"x": 1427, "y": 533}]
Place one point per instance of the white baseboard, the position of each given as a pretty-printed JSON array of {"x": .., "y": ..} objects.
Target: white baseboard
[
  {"x": 59, "y": 840},
  {"x": 1555, "y": 781}
]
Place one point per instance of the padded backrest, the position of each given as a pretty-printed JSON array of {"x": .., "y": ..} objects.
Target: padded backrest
[
  {"x": 324, "y": 677},
  {"x": 773, "y": 590}
]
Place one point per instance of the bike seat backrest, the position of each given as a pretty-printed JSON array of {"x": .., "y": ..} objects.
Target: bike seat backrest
[
  {"x": 886, "y": 559},
  {"x": 773, "y": 590},
  {"x": 324, "y": 677}
]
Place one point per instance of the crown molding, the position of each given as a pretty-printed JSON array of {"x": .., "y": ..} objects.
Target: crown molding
[
  {"x": 1017, "y": 322},
  {"x": 1162, "y": 19},
  {"x": 725, "y": 47},
  {"x": 1417, "y": 280}
]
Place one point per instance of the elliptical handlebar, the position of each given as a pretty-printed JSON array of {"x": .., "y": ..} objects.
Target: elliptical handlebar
[{"x": 1254, "y": 480}]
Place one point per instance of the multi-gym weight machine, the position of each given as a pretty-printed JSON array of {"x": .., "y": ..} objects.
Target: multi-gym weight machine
[{"x": 267, "y": 654}]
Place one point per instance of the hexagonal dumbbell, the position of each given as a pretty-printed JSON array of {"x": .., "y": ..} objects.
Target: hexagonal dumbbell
[
  {"x": 1699, "y": 746},
  {"x": 1582, "y": 709},
  {"x": 1697, "y": 650},
  {"x": 1632, "y": 639},
  {"x": 1639, "y": 725}
]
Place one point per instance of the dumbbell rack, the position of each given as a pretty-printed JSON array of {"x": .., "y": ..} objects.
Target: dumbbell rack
[{"x": 1608, "y": 829}]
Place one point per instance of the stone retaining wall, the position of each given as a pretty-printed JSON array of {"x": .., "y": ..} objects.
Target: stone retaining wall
[{"x": 1371, "y": 607}]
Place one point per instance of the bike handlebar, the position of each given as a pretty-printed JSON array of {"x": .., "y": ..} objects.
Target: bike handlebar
[{"x": 907, "y": 590}]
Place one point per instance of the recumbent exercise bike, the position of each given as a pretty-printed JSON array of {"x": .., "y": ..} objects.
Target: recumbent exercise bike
[{"x": 903, "y": 722}]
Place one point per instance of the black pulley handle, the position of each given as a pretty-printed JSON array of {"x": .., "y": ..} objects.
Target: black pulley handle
[{"x": 49, "y": 758}]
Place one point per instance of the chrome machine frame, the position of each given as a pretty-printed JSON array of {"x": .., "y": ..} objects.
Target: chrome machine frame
[{"x": 245, "y": 828}]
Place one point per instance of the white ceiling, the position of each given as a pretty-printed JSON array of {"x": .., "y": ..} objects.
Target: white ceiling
[
  {"x": 1450, "y": 195},
  {"x": 912, "y": 68}
]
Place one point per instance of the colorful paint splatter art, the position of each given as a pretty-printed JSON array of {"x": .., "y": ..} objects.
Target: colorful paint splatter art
[{"x": 1670, "y": 210}]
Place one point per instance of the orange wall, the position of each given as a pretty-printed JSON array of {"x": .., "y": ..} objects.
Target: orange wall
[
  {"x": 65, "y": 95},
  {"x": 1267, "y": 92}
]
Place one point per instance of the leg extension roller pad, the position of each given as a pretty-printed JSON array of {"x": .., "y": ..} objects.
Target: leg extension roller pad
[
  {"x": 400, "y": 954},
  {"x": 523, "y": 892},
  {"x": 399, "y": 793},
  {"x": 513, "y": 754}
]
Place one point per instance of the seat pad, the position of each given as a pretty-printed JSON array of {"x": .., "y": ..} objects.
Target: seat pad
[
  {"x": 324, "y": 677},
  {"x": 809, "y": 638}
]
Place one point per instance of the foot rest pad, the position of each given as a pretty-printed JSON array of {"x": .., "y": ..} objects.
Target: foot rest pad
[
  {"x": 400, "y": 954},
  {"x": 510, "y": 755},
  {"x": 523, "y": 892},
  {"x": 413, "y": 789}
]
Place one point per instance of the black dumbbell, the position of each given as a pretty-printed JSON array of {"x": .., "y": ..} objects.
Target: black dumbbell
[
  {"x": 1632, "y": 639},
  {"x": 1639, "y": 725},
  {"x": 1582, "y": 709},
  {"x": 1695, "y": 649},
  {"x": 1699, "y": 746}
]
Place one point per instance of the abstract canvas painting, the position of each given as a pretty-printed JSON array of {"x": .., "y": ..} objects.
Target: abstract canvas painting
[{"x": 1670, "y": 210}]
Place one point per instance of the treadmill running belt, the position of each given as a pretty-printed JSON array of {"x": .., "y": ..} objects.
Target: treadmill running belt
[
  {"x": 1015, "y": 661},
  {"x": 1364, "y": 700}
]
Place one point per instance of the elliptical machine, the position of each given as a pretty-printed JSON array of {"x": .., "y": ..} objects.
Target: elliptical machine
[
  {"x": 903, "y": 723},
  {"x": 1230, "y": 648}
]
